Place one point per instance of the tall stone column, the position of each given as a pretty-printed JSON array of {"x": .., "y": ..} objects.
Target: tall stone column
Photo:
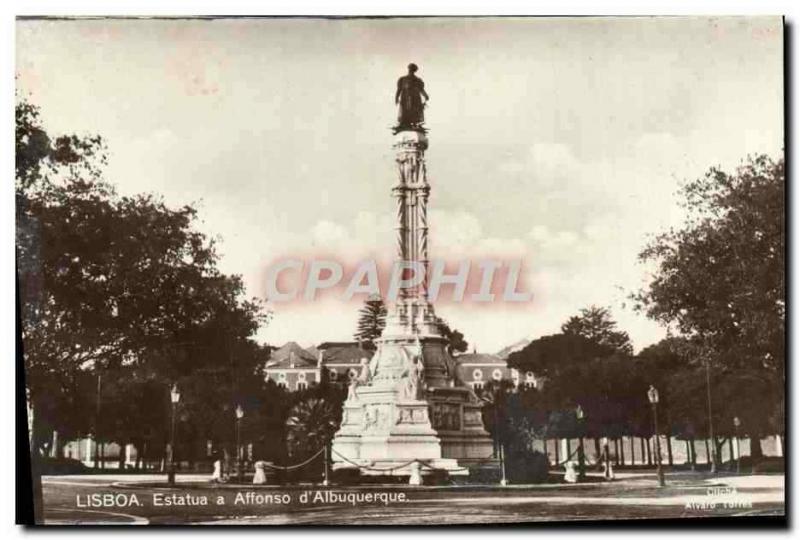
[
  {"x": 408, "y": 403},
  {"x": 412, "y": 313}
]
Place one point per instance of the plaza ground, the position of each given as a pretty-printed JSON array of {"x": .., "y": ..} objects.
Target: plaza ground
[{"x": 630, "y": 496}]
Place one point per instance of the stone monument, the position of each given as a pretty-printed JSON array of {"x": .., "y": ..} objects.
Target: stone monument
[{"x": 407, "y": 404}]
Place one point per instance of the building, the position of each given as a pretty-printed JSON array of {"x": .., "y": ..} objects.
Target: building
[
  {"x": 342, "y": 359},
  {"x": 477, "y": 369},
  {"x": 295, "y": 368}
]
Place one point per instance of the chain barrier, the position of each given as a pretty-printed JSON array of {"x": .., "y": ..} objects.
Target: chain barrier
[
  {"x": 403, "y": 465},
  {"x": 568, "y": 458},
  {"x": 388, "y": 469},
  {"x": 296, "y": 466},
  {"x": 422, "y": 463},
  {"x": 585, "y": 459}
]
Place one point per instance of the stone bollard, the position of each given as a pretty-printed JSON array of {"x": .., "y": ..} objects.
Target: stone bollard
[
  {"x": 416, "y": 478},
  {"x": 216, "y": 476},
  {"x": 260, "y": 477},
  {"x": 570, "y": 475},
  {"x": 608, "y": 471}
]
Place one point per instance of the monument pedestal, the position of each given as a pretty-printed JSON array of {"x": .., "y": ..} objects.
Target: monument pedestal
[{"x": 385, "y": 431}]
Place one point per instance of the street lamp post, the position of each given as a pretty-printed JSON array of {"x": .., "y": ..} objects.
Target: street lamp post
[
  {"x": 580, "y": 415},
  {"x": 174, "y": 397},
  {"x": 239, "y": 465},
  {"x": 503, "y": 480},
  {"x": 736, "y": 424},
  {"x": 495, "y": 400},
  {"x": 327, "y": 481},
  {"x": 652, "y": 396}
]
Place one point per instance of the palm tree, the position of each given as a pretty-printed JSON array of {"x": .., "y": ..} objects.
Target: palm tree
[{"x": 310, "y": 425}]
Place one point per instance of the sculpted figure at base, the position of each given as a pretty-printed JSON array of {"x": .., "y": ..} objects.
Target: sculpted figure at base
[
  {"x": 363, "y": 377},
  {"x": 412, "y": 380}
]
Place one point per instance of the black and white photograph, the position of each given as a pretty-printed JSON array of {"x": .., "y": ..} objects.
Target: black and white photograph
[{"x": 401, "y": 270}]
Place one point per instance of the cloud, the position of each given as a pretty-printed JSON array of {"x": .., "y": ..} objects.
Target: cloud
[{"x": 326, "y": 234}]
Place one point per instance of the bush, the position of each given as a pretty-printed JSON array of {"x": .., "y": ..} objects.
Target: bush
[
  {"x": 769, "y": 465},
  {"x": 48, "y": 465},
  {"x": 525, "y": 466}
]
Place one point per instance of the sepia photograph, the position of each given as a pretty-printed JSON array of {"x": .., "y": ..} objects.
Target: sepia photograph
[{"x": 343, "y": 271}]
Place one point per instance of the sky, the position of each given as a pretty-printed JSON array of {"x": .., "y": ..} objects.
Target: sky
[{"x": 558, "y": 142}]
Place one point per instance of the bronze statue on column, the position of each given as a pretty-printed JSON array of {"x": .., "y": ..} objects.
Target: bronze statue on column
[{"x": 408, "y": 98}]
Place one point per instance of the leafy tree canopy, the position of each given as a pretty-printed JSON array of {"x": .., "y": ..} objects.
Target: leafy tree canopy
[{"x": 595, "y": 324}]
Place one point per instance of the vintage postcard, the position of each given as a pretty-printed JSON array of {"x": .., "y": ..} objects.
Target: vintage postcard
[{"x": 401, "y": 270}]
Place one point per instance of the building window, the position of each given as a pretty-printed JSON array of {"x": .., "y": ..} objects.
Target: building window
[
  {"x": 352, "y": 374},
  {"x": 477, "y": 385},
  {"x": 530, "y": 379},
  {"x": 333, "y": 374},
  {"x": 497, "y": 374},
  {"x": 477, "y": 374},
  {"x": 301, "y": 376},
  {"x": 282, "y": 384},
  {"x": 301, "y": 385}
]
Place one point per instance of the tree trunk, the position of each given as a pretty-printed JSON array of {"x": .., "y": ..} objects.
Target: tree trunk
[
  {"x": 121, "y": 457},
  {"x": 558, "y": 458},
  {"x": 718, "y": 444},
  {"x": 649, "y": 450},
  {"x": 632, "y": 447},
  {"x": 644, "y": 451},
  {"x": 756, "y": 453},
  {"x": 597, "y": 451},
  {"x": 669, "y": 448},
  {"x": 730, "y": 453},
  {"x": 692, "y": 453},
  {"x": 622, "y": 450},
  {"x": 708, "y": 452}
]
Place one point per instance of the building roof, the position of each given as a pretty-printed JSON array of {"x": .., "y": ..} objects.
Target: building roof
[
  {"x": 292, "y": 355},
  {"x": 325, "y": 345},
  {"x": 480, "y": 358},
  {"x": 344, "y": 353}
]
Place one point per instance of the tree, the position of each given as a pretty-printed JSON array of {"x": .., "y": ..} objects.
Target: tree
[
  {"x": 455, "y": 339},
  {"x": 371, "y": 322},
  {"x": 311, "y": 424},
  {"x": 554, "y": 357},
  {"x": 595, "y": 323},
  {"x": 719, "y": 279},
  {"x": 121, "y": 286}
]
